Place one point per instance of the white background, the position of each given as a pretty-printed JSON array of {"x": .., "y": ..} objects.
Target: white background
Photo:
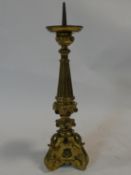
[{"x": 101, "y": 74}]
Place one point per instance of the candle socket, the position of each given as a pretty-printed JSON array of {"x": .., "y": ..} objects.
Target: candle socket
[{"x": 66, "y": 146}]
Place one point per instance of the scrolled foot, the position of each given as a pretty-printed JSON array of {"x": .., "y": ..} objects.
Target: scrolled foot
[{"x": 66, "y": 151}]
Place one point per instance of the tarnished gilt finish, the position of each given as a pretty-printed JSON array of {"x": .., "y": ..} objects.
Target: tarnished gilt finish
[{"x": 66, "y": 147}]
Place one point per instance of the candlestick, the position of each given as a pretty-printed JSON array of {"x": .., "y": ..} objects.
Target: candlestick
[{"x": 66, "y": 146}]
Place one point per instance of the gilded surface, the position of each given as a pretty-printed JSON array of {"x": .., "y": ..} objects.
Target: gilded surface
[
  {"x": 66, "y": 147},
  {"x": 68, "y": 28}
]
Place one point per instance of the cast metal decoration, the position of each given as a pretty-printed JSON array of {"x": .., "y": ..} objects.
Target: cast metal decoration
[{"x": 66, "y": 146}]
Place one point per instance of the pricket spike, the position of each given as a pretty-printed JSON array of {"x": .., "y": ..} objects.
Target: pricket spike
[
  {"x": 66, "y": 146},
  {"x": 64, "y": 18}
]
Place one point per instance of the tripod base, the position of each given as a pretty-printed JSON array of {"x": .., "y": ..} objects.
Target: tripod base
[{"x": 66, "y": 148}]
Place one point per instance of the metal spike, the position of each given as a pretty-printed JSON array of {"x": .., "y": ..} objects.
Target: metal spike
[{"x": 64, "y": 20}]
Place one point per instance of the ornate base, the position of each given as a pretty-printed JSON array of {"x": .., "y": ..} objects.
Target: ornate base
[{"x": 66, "y": 148}]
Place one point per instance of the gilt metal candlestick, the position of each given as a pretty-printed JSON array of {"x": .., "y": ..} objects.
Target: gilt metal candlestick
[{"x": 66, "y": 147}]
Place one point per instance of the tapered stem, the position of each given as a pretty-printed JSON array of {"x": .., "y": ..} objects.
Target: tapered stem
[{"x": 65, "y": 84}]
